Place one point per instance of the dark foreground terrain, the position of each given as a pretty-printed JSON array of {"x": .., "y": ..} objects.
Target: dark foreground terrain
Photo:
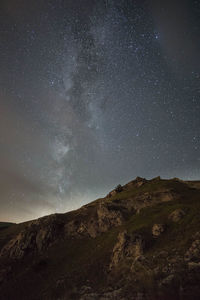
[{"x": 142, "y": 241}]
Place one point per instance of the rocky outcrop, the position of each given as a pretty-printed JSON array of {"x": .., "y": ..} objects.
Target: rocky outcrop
[
  {"x": 23, "y": 243},
  {"x": 116, "y": 191},
  {"x": 127, "y": 247},
  {"x": 145, "y": 199},
  {"x": 108, "y": 216},
  {"x": 112, "y": 193},
  {"x": 193, "y": 253},
  {"x": 37, "y": 236},
  {"x": 157, "y": 229},
  {"x": 137, "y": 182},
  {"x": 193, "y": 266},
  {"x": 140, "y": 181},
  {"x": 103, "y": 217}
]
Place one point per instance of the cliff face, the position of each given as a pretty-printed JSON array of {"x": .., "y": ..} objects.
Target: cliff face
[{"x": 142, "y": 241}]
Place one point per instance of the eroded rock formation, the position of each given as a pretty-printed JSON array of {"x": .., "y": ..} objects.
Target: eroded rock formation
[{"x": 128, "y": 246}]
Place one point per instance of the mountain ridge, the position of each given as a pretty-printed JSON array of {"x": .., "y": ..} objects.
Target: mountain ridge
[{"x": 141, "y": 241}]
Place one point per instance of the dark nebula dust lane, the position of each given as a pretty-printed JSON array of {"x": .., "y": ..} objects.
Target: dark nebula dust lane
[{"x": 92, "y": 94}]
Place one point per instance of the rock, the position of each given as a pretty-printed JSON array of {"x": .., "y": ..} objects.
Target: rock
[
  {"x": 177, "y": 215},
  {"x": 139, "y": 258},
  {"x": 140, "y": 181},
  {"x": 71, "y": 228},
  {"x": 78, "y": 229},
  {"x": 85, "y": 289},
  {"x": 37, "y": 236},
  {"x": 157, "y": 229},
  {"x": 102, "y": 219},
  {"x": 23, "y": 243},
  {"x": 112, "y": 193},
  {"x": 117, "y": 190},
  {"x": 108, "y": 217},
  {"x": 193, "y": 265},
  {"x": 44, "y": 237},
  {"x": 167, "y": 280},
  {"x": 193, "y": 253},
  {"x": 128, "y": 246}
]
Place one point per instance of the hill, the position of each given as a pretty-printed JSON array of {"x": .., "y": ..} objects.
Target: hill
[
  {"x": 5, "y": 225},
  {"x": 141, "y": 241}
]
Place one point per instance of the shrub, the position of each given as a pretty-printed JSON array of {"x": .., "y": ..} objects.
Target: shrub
[{"x": 118, "y": 188}]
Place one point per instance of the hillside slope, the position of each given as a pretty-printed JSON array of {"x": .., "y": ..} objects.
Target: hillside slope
[{"x": 142, "y": 241}]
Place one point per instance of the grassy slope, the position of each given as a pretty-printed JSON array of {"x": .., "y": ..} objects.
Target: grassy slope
[{"x": 78, "y": 260}]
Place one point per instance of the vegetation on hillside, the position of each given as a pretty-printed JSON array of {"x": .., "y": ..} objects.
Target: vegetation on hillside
[{"x": 75, "y": 263}]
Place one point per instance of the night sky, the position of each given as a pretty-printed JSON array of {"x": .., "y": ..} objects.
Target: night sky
[{"x": 92, "y": 94}]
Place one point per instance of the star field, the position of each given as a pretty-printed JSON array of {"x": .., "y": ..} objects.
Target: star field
[{"x": 95, "y": 93}]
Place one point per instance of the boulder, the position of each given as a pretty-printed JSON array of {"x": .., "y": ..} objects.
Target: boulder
[{"x": 157, "y": 229}]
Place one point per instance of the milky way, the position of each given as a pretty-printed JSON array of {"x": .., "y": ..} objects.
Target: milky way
[{"x": 93, "y": 94}]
